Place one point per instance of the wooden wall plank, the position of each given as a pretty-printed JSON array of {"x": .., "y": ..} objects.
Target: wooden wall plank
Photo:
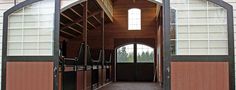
[
  {"x": 199, "y": 76},
  {"x": 29, "y": 76}
]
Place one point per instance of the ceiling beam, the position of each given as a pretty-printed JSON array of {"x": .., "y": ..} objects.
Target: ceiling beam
[
  {"x": 68, "y": 18},
  {"x": 68, "y": 33},
  {"x": 96, "y": 17},
  {"x": 97, "y": 20},
  {"x": 75, "y": 12},
  {"x": 88, "y": 17},
  {"x": 80, "y": 20},
  {"x": 92, "y": 25},
  {"x": 92, "y": 16},
  {"x": 71, "y": 28}
]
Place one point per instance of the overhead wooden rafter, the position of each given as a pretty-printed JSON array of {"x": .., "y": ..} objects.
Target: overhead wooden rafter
[
  {"x": 97, "y": 20},
  {"x": 80, "y": 20},
  {"x": 72, "y": 28},
  {"x": 94, "y": 16},
  {"x": 71, "y": 35},
  {"x": 69, "y": 26},
  {"x": 72, "y": 19}
]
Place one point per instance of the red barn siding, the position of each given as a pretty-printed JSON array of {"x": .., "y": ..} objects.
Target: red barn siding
[
  {"x": 80, "y": 80},
  {"x": 199, "y": 76},
  {"x": 29, "y": 76}
]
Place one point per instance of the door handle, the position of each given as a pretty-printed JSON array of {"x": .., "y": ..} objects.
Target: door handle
[
  {"x": 55, "y": 71},
  {"x": 168, "y": 70}
]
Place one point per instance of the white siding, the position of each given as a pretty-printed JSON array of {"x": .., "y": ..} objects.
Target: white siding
[
  {"x": 198, "y": 27},
  {"x": 30, "y": 30},
  {"x": 64, "y": 3}
]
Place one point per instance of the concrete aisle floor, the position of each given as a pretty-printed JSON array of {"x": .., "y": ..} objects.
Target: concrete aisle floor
[{"x": 131, "y": 86}]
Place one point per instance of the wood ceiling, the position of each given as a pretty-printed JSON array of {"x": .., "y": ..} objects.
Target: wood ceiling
[{"x": 71, "y": 21}]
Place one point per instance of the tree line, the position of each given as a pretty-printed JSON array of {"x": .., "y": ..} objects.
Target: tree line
[{"x": 123, "y": 56}]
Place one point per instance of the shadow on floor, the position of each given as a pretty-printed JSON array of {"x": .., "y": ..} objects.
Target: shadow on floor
[{"x": 132, "y": 86}]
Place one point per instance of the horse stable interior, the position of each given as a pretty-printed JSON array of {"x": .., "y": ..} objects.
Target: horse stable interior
[{"x": 117, "y": 44}]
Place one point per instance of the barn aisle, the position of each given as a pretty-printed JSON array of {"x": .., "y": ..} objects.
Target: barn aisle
[{"x": 132, "y": 86}]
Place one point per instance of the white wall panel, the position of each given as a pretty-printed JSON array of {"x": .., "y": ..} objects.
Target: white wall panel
[
  {"x": 25, "y": 27},
  {"x": 201, "y": 24}
]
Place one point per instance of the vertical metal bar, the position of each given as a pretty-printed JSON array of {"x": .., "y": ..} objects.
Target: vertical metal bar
[
  {"x": 230, "y": 26},
  {"x": 115, "y": 62},
  {"x": 4, "y": 50},
  {"x": 56, "y": 36},
  {"x": 135, "y": 61},
  {"x": 166, "y": 45},
  {"x": 103, "y": 38},
  {"x": 14, "y": 2},
  {"x": 85, "y": 39}
]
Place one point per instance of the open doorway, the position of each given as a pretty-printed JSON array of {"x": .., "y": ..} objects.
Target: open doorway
[{"x": 135, "y": 62}]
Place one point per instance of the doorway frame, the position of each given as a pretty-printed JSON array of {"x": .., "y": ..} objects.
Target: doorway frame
[{"x": 168, "y": 58}]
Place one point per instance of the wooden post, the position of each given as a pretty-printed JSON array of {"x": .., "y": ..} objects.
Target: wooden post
[
  {"x": 85, "y": 39},
  {"x": 103, "y": 45},
  {"x": 103, "y": 38}
]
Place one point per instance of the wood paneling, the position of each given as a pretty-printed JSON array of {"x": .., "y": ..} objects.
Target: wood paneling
[
  {"x": 60, "y": 81},
  {"x": 29, "y": 76},
  {"x": 100, "y": 72},
  {"x": 72, "y": 48},
  {"x": 103, "y": 76},
  {"x": 118, "y": 42},
  {"x": 80, "y": 80},
  {"x": 89, "y": 79},
  {"x": 119, "y": 28},
  {"x": 199, "y": 76}
]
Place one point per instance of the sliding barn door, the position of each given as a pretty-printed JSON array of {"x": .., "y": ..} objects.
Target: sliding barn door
[
  {"x": 199, "y": 45},
  {"x": 30, "y": 46}
]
